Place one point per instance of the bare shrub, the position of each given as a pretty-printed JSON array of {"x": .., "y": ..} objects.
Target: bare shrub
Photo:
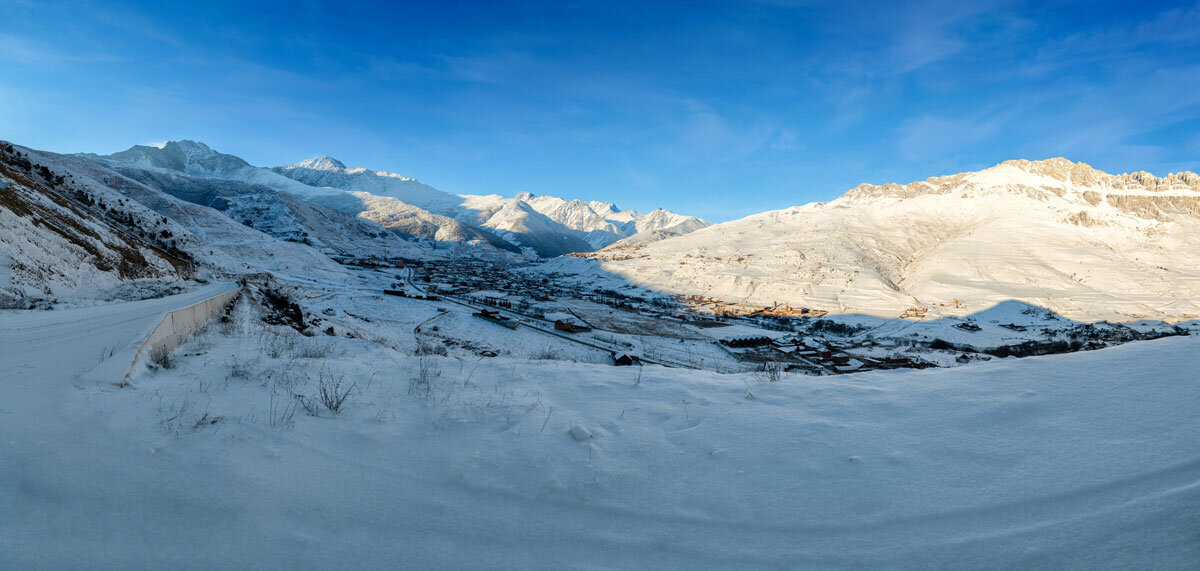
[
  {"x": 284, "y": 382},
  {"x": 331, "y": 394},
  {"x": 277, "y": 346},
  {"x": 311, "y": 405},
  {"x": 161, "y": 357},
  {"x": 432, "y": 348},
  {"x": 281, "y": 413},
  {"x": 173, "y": 417},
  {"x": 385, "y": 415},
  {"x": 311, "y": 348},
  {"x": 107, "y": 353},
  {"x": 206, "y": 420},
  {"x": 546, "y": 354},
  {"x": 423, "y": 382},
  {"x": 771, "y": 371},
  {"x": 227, "y": 328},
  {"x": 288, "y": 345},
  {"x": 241, "y": 368}
]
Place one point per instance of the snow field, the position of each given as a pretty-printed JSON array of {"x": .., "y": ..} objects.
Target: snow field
[{"x": 1071, "y": 461}]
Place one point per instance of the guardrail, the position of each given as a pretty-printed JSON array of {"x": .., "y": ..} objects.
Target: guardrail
[{"x": 175, "y": 327}]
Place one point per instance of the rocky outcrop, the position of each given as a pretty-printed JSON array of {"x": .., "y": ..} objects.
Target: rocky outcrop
[
  {"x": 1156, "y": 207},
  {"x": 1139, "y": 193}
]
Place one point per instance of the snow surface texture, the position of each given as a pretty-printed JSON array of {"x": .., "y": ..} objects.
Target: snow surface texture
[
  {"x": 1053, "y": 233},
  {"x": 1076, "y": 461}
]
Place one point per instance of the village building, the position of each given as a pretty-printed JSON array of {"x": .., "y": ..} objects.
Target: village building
[
  {"x": 625, "y": 360},
  {"x": 570, "y": 327},
  {"x": 495, "y": 317},
  {"x": 748, "y": 341}
]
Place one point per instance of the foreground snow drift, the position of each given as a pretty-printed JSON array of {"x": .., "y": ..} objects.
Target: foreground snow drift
[{"x": 1072, "y": 461}]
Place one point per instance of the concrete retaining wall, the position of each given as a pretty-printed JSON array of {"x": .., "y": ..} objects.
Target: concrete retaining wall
[{"x": 175, "y": 327}]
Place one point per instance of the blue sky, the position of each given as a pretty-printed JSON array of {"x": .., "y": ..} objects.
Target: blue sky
[{"x": 713, "y": 109}]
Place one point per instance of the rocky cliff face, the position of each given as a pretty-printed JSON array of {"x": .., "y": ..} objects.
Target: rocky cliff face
[{"x": 1156, "y": 207}]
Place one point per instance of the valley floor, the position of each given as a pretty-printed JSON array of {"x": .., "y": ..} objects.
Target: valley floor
[{"x": 1084, "y": 460}]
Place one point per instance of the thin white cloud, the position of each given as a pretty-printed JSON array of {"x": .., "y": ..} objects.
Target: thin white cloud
[{"x": 27, "y": 51}]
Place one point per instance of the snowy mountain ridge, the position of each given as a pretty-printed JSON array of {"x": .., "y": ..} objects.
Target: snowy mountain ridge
[
  {"x": 539, "y": 226},
  {"x": 76, "y": 229},
  {"x": 605, "y": 224},
  {"x": 1054, "y": 233},
  {"x": 545, "y": 225},
  {"x": 1058, "y": 176},
  {"x": 323, "y": 162},
  {"x": 328, "y": 172}
]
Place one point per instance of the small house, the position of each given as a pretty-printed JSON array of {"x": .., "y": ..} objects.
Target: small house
[
  {"x": 570, "y": 327},
  {"x": 495, "y": 317},
  {"x": 914, "y": 313},
  {"x": 624, "y": 360}
]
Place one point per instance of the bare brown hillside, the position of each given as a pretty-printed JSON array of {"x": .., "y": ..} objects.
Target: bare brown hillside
[{"x": 56, "y": 235}]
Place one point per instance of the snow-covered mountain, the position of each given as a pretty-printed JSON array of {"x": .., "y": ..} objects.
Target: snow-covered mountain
[
  {"x": 73, "y": 228},
  {"x": 522, "y": 225},
  {"x": 545, "y": 225},
  {"x": 199, "y": 160},
  {"x": 602, "y": 223},
  {"x": 1054, "y": 233},
  {"x": 328, "y": 172},
  {"x": 60, "y": 234},
  {"x": 280, "y": 214},
  {"x": 262, "y": 198}
]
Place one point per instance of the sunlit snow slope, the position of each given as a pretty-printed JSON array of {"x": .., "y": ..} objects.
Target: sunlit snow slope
[{"x": 1054, "y": 233}]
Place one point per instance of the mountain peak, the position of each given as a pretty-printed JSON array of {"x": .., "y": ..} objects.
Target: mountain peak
[
  {"x": 323, "y": 163},
  {"x": 1057, "y": 168},
  {"x": 184, "y": 155},
  {"x": 189, "y": 145}
]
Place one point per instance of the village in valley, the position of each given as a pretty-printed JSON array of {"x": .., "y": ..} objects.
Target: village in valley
[{"x": 486, "y": 308}]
